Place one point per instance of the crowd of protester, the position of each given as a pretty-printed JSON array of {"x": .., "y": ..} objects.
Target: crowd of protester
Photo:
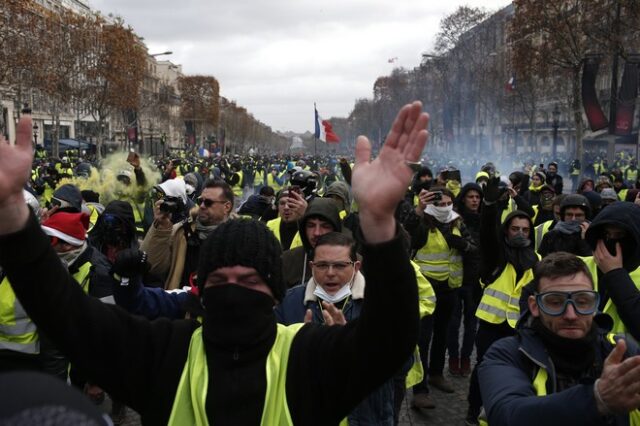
[{"x": 401, "y": 267}]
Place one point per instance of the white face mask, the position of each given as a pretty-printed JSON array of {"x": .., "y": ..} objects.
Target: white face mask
[
  {"x": 339, "y": 296},
  {"x": 441, "y": 214},
  {"x": 72, "y": 255}
]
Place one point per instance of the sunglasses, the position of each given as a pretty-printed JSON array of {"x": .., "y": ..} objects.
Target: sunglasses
[
  {"x": 207, "y": 202},
  {"x": 554, "y": 303}
]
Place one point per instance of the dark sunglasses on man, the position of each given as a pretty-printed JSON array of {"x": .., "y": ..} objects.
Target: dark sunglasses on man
[{"x": 207, "y": 202}]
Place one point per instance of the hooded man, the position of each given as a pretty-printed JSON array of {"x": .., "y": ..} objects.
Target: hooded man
[
  {"x": 614, "y": 237},
  {"x": 508, "y": 257},
  {"x": 260, "y": 372},
  {"x": 321, "y": 217},
  {"x": 553, "y": 178}
]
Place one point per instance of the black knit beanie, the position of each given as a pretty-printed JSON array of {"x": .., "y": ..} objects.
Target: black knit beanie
[{"x": 244, "y": 242}]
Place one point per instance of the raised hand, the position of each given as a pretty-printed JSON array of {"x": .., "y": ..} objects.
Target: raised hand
[
  {"x": 380, "y": 184},
  {"x": 15, "y": 168},
  {"x": 618, "y": 388}
]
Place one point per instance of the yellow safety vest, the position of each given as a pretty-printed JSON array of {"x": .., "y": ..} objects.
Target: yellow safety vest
[
  {"x": 273, "y": 183},
  {"x": 274, "y": 226},
  {"x": 17, "y": 332},
  {"x": 510, "y": 208},
  {"x": 622, "y": 195},
  {"x": 610, "y": 309},
  {"x": 189, "y": 406},
  {"x": 138, "y": 216},
  {"x": 439, "y": 262},
  {"x": 631, "y": 175},
  {"x": 541, "y": 230},
  {"x": 237, "y": 188},
  {"x": 501, "y": 299}
]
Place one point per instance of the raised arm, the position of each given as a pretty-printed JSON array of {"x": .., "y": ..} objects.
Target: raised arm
[{"x": 344, "y": 364}]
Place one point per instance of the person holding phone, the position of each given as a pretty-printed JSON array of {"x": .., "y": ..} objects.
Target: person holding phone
[{"x": 440, "y": 241}]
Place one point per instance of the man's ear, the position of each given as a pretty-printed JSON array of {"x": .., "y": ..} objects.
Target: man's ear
[
  {"x": 533, "y": 306},
  {"x": 357, "y": 265}
]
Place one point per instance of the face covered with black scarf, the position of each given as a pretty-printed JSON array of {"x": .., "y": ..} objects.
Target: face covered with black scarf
[
  {"x": 239, "y": 279},
  {"x": 518, "y": 249}
]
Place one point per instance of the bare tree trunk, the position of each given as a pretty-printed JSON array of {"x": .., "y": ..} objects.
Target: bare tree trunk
[{"x": 576, "y": 106}]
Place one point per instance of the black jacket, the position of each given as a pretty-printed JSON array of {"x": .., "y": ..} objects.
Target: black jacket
[
  {"x": 140, "y": 362},
  {"x": 555, "y": 240}
]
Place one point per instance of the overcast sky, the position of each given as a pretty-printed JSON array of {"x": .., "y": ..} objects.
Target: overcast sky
[{"x": 278, "y": 57}]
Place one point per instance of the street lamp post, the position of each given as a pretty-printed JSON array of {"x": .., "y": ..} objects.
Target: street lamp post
[
  {"x": 35, "y": 135},
  {"x": 556, "y": 124},
  {"x": 151, "y": 136},
  {"x": 480, "y": 134}
]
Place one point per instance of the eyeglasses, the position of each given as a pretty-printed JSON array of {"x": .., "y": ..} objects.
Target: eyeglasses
[
  {"x": 207, "y": 202},
  {"x": 554, "y": 303},
  {"x": 337, "y": 266}
]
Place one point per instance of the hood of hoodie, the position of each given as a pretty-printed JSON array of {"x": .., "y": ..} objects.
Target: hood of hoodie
[
  {"x": 322, "y": 208},
  {"x": 175, "y": 188},
  {"x": 340, "y": 189},
  {"x": 466, "y": 188},
  {"x": 624, "y": 215},
  {"x": 123, "y": 211},
  {"x": 507, "y": 221}
]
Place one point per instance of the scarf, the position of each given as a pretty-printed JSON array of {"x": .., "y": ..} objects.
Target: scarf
[
  {"x": 519, "y": 253},
  {"x": 72, "y": 255},
  {"x": 534, "y": 188},
  {"x": 569, "y": 227},
  {"x": 204, "y": 230},
  {"x": 442, "y": 214}
]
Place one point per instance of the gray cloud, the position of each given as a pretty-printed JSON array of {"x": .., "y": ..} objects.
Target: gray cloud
[{"x": 277, "y": 57}]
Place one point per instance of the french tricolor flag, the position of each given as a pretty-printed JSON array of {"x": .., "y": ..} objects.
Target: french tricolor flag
[{"x": 323, "y": 129}]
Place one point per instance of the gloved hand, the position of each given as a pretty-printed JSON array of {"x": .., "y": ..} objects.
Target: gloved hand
[
  {"x": 130, "y": 263},
  {"x": 492, "y": 191},
  {"x": 456, "y": 242}
]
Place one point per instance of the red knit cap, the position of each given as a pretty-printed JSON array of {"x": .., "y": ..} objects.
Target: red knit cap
[{"x": 69, "y": 227}]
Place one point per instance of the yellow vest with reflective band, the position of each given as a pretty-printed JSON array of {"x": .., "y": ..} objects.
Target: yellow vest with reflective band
[
  {"x": 426, "y": 295},
  {"x": 511, "y": 207},
  {"x": 426, "y": 305},
  {"x": 189, "y": 406},
  {"x": 610, "y": 309},
  {"x": 82, "y": 276},
  {"x": 273, "y": 183},
  {"x": 631, "y": 175},
  {"x": 138, "y": 216},
  {"x": 501, "y": 299},
  {"x": 237, "y": 188},
  {"x": 438, "y": 261},
  {"x": 541, "y": 230},
  {"x": 17, "y": 332},
  {"x": 95, "y": 214},
  {"x": 622, "y": 195},
  {"x": 274, "y": 226}
]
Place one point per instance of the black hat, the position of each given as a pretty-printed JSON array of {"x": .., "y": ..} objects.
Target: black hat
[
  {"x": 575, "y": 200},
  {"x": 68, "y": 197},
  {"x": 243, "y": 242}
]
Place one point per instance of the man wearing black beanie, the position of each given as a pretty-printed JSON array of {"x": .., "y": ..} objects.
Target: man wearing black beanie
[{"x": 238, "y": 366}]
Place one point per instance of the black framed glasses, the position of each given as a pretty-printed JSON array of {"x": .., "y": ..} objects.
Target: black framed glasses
[
  {"x": 207, "y": 202},
  {"x": 554, "y": 303},
  {"x": 337, "y": 266}
]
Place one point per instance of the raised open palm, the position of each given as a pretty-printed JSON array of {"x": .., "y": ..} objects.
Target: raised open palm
[
  {"x": 380, "y": 184},
  {"x": 15, "y": 162}
]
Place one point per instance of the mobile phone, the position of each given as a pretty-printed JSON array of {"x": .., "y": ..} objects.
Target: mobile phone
[
  {"x": 296, "y": 189},
  {"x": 437, "y": 196},
  {"x": 132, "y": 156},
  {"x": 611, "y": 246}
]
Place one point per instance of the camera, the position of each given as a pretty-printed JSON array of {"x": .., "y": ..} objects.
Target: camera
[
  {"x": 452, "y": 175},
  {"x": 170, "y": 205}
]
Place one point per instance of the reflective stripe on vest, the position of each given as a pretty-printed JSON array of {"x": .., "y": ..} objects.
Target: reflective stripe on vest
[
  {"x": 17, "y": 331},
  {"x": 437, "y": 261},
  {"x": 541, "y": 230},
  {"x": 426, "y": 294},
  {"x": 501, "y": 299},
  {"x": 274, "y": 226},
  {"x": 610, "y": 309},
  {"x": 510, "y": 208},
  {"x": 189, "y": 406},
  {"x": 82, "y": 276}
]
